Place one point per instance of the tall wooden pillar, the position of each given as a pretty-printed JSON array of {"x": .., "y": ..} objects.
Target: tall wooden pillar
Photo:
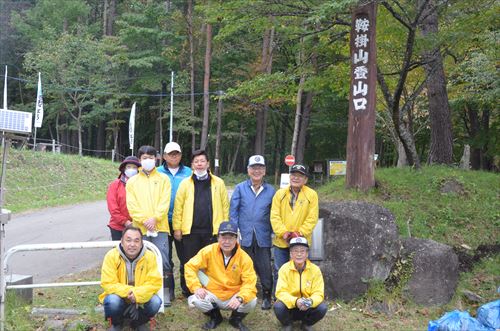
[{"x": 361, "y": 128}]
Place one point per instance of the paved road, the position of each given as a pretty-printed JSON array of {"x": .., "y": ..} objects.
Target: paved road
[{"x": 83, "y": 222}]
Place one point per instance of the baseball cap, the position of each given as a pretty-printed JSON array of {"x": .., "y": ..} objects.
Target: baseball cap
[
  {"x": 299, "y": 168},
  {"x": 228, "y": 227},
  {"x": 299, "y": 241},
  {"x": 256, "y": 160},
  {"x": 172, "y": 147}
]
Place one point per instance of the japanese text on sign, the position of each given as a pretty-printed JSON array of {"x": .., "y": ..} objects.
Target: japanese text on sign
[{"x": 360, "y": 59}]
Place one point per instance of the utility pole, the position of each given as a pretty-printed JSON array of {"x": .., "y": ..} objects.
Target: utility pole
[{"x": 171, "y": 108}]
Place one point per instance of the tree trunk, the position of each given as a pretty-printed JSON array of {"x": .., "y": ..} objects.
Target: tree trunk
[
  {"x": 306, "y": 116},
  {"x": 261, "y": 112},
  {"x": 219, "y": 135},
  {"x": 101, "y": 139},
  {"x": 191, "y": 70},
  {"x": 79, "y": 128},
  {"x": 473, "y": 130},
  {"x": 298, "y": 115},
  {"x": 235, "y": 157},
  {"x": 206, "y": 89},
  {"x": 402, "y": 161},
  {"x": 441, "y": 150}
]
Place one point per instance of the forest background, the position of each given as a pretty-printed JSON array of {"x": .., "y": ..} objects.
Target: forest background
[{"x": 264, "y": 76}]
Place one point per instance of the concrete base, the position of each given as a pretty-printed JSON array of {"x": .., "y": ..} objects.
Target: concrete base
[{"x": 24, "y": 293}]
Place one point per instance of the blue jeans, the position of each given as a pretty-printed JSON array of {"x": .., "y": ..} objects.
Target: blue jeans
[
  {"x": 161, "y": 241},
  {"x": 309, "y": 317},
  {"x": 114, "y": 306},
  {"x": 281, "y": 256}
]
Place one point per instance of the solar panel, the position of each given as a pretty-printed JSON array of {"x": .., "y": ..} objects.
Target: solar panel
[{"x": 15, "y": 121}]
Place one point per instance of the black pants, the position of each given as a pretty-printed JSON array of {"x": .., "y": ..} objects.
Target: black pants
[
  {"x": 309, "y": 317},
  {"x": 261, "y": 257},
  {"x": 178, "y": 249},
  {"x": 192, "y": 243},
  {"x": 115, "y": 234}
]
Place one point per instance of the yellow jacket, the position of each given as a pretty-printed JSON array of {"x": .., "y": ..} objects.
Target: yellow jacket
[
  {"x": 293, "y": 285},
  {"x": 184, "y": 204},
  {"x": 114, "y": 279},
  {"x": 149, "y": 196},
  {"x": 238, "y": 278},
  {"x": 302, "y": 218}
]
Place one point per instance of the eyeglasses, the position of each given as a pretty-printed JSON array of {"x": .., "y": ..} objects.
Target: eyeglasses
[{"x": 298, "y": 251}]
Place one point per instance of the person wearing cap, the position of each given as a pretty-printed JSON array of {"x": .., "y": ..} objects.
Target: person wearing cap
[
  {"x": 294, "y": 213},
  {"x": 222, "y": 276},
  {"x": 300, "y": 289},
  {"x": 176, "y": 172},
  {"x": 148, "y": 202},
  {"x": 201, "y": 205},
  {"x": 250, "y": 208},
  {"x": 116, "y": 197}
]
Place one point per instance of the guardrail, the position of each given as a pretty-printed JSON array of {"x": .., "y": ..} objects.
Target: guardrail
[{"x": 63, "y": 246}]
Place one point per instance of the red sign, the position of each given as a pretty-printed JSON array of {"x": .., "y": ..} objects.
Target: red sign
[{"x": 289, "y": 160}]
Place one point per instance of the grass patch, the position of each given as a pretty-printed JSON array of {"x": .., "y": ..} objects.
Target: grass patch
[
  {"x": 471, "y": 217},
  {"x": 37, "y": 179}
]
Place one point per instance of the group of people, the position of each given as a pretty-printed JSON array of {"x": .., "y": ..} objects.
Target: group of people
[{"x": 222, "y": 244}]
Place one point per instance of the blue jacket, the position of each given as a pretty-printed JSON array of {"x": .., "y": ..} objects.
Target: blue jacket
[
  {"x": 182, "y": 173},
  {"x": 252, "y": 213}
]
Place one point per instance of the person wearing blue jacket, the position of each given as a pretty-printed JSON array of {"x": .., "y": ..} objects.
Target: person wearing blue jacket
[
  {"x": 176, "y": 172},
  {"x": 250, "y": 209}
]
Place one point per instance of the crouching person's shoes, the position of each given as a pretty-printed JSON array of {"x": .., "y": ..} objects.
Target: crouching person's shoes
[
  {"x": 236, "y": 320},
  {"x": 149, "y": 326},
  {"x": 215, "y": 319},
  {"x": 306, "y": 327}
]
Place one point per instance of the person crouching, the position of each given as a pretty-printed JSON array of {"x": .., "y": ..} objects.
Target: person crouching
[
  {"x": 300, "y": 289},
  {"x": 130, "y": 280},
  {"x": 222, "y": 276}
]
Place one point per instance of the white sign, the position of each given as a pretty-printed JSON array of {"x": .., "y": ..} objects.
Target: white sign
[
  {"x": 131, "y": 127},
  {"x": 285, "y": 180},
  {"x": 39, "y": 104}
]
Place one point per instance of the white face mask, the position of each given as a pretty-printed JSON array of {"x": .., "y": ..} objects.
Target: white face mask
[
  {"x": 200, "y": 173},
  {"x": 130, "y": 172},
  {"x": 148, "y": 164}
]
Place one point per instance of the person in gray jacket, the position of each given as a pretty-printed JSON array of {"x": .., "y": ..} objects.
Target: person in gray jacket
[{"x": 250, "y": 211}]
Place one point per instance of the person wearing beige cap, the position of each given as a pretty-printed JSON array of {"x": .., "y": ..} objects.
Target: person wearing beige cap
[
  {"x": 177, "y": 172},
  {"x": 250, "y": 208},
  {"x": 300, "y": 289}
]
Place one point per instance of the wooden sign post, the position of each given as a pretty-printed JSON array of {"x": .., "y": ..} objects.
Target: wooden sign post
[{"x": 361, "y": 127}]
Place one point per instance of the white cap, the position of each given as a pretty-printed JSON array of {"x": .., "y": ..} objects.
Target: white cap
[
  {"x": 256, "y": 160},
  {"x": 172, "y": 147}
]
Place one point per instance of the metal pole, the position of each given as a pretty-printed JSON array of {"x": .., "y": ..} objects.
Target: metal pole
[
  {"x": 6, "y": 143},
  {"x": 171, "y": 107},
  {"x": 34, "y": 141},
  {"x": 53, "y": 146},
  {"x": 219, "y": 134}
]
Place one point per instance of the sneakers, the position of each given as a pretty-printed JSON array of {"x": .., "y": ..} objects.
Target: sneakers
[{"x": 266, "y": 301}]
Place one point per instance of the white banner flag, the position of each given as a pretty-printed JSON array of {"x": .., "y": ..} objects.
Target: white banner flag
[
  {"x": 131, "y": 127},
  {"x": 39, "y": 104},
  {"x": 5, "y": 90}
]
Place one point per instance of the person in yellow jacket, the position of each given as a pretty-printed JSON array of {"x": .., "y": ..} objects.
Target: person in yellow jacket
[
  {"x": 300, "y": 289},
  {"x": 148, "y": 201},
  {"x": 294, "y": 213},
  {"x": 222, "y": 276},
  {"x": 201, "y": 205},
  {"x": 130, "y": 280}
]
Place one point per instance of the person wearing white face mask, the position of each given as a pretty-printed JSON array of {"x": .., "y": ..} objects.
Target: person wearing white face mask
[
  {"x": 148, "y": 201},
  {"x": 201, "y": 205},
  {"x": 116, "y": 197}
]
